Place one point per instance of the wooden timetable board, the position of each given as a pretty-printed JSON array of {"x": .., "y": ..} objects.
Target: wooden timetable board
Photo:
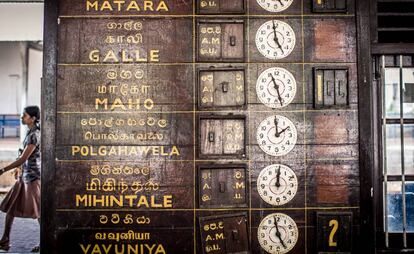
[{"x": 189, "y": 126}]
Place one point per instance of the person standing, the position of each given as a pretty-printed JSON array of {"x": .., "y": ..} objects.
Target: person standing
[{"x": 23, "y": 200}]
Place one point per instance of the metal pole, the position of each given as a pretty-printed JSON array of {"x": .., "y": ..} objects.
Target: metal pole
[
  {"x": 384, "y": 151},
  {"x": 402, "y": 154}
]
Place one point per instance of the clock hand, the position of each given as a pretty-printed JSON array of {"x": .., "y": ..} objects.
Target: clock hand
[
  {"x": 275, "y": 37},
  {"x": 277, "y": 134},
  {"x": 283, "y": 130},
  {"x": 280, "y": 1},
  {"x": 277, "y": 90},
  {"x": 278, "y": 235},
  {"x": 278, "y": 178}
]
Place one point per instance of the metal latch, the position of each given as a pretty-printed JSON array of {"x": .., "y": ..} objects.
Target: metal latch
[
  {"x": 222, "y": 187},
  {"x": 211, "y": 136},
  {"x": 225, "y": 87},
  {"x": 233, "y": 40},
  {"x": 235, "y": 234}
]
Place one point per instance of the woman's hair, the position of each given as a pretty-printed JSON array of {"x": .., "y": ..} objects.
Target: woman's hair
[{"x": 33, "y": 111}]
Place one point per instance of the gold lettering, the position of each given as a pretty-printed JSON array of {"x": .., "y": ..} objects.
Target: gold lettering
[
  {"x": 133, "y": 5},
  {"x": 94, "y": 55},
  {"x": 101, "y": 102},
  {"x": 160, "y": 249},
  {"x": 106, "y": 5},
  {"x": 119, "y": 3},
  {"x": 110, "y": 56},
  {"x": 96, "y": 250},
  {"x": 148, "y": 5},
  {"x": 215, "y": 40},
  {"x": 219, "y": 236},
  {"x": 90, "y": 5},
  {"x": 206, "y": 187},
  {"x": 175, "y": 151},
  {"x": 83, "y": 199},
  {"x": 154, "y": 55},
  {"x": 240, "y": 185}
]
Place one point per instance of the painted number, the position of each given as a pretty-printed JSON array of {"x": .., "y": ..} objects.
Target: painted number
[{"x": 333, "y": 223}]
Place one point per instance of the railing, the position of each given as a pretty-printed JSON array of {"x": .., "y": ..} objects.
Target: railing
[{"x": 9, "y": 122}]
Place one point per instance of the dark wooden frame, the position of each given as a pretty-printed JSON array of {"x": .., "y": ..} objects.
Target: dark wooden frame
[
  {"x": 240, "y": 12},
  {"x": 395, "y": 239},
  {"x": 48, "y": 102},
  {"x": 368, "y": 147},
  {"x": 371, "y": 237},
  {"x": 218, "y": 69},
  {"x": 315, "y": 10},
  {"x": 221, "y": 21},
  {"x": 223, "y": 166},
  {"x": 332, "y": 68},
  {"x": 227, "y": 215},
  {"x": 351, "y": 216},
  {"x": 230, "y": 116}
]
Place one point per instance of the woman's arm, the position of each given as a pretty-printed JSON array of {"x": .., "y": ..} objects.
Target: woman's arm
[{"x": 25, "y": 155}]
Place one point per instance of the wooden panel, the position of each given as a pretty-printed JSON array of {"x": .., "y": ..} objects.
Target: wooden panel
[
  {"x": 222, "y": 186},
  {"x": 125, "y": 129},
  {"x": 87, "y": 240},
  {"x": 221, "y": 88},
  {"x": 127, "y": 7},
  {"x": 333, "y": 40},
  {"x": 352, "y": 84},
  {"x": 224, "y": 234},
  {"x": 221, "y": 6},
  {"x": 143, "y": 182},
  {"x": 331, "y": 128},
  {"x": 108, "y": 41},
  {"x": 144, "y": 219},
  {"x": 131, "y": 124},
  {"x": 220, "y": 41},
  {"x": 333, "y": 183},
  {"x": 334, "y": 232},
  {"x": 223, "y": 136},
  {"x": 126, "y": 88}
]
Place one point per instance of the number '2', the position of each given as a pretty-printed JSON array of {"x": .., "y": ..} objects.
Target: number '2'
[{"x": 335, "y": 224}]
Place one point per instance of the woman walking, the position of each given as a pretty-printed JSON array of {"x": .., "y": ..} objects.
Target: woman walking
[{"x": 23, "y": 200}]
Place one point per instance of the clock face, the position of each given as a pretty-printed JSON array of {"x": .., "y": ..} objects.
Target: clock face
[
  {"x": 275, "y": 39},
  {"x": 275, "y": 6},
  {"x": 277, "y": 184},
  {"x": 276, "y": 135},
  {"x": 276, "y": 87},
  {"x": 277, "y": 233}
]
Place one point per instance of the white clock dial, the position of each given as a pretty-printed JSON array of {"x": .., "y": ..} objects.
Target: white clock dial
[
  {"x": 275, "y": 39},
  {"x": 276, "y": 135},
  {"x": 275, "y": 5},
  {"x": 277, "y": 184},
  {"x": 277, "y": 233},
  {"x": 276, "y": 87}
]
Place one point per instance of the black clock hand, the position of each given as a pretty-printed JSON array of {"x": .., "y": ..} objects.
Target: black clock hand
[
  {"x": 283, "y": 130},
  {"x": 277, "y": 90},
  {"x": 280, "y": 1},
  {"x": 278, "y": 178},
  {"x": 278, "y": 235},
  {"x": 277, "y": 134},
  {"x": 275, "y": 37}
]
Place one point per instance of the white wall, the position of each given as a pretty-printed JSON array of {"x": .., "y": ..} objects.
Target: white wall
[
  {"x": 35, "y": 73},
  {"x": 12, "y": 61},
  {"x": 21, "y": 21}
]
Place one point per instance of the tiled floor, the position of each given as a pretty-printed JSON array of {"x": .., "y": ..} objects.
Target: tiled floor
[{"x": 25, "y": 233}]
